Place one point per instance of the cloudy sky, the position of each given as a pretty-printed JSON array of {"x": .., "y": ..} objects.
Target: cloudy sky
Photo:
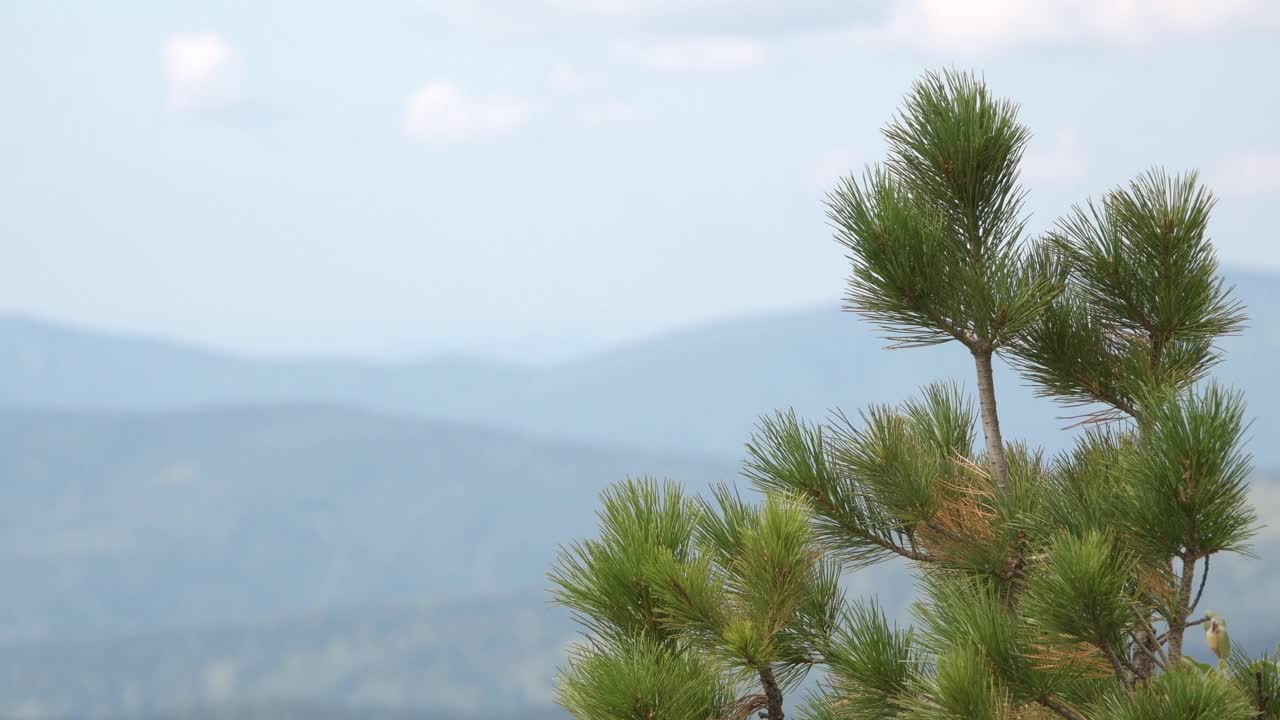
[{"x": 533, "y": 177}]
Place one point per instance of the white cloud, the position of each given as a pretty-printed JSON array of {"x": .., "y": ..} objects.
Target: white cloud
[
  {"x": 707, "y": 16},
  {"x": 203, "y": 71},
  {"x": 700, "y": 54},
  {"x": 949, "y": 26},
  {"x": 1063, "y": 158},
  {"x": 978, "y": 26},
  {"x": 569, "y": 79},
  {"x": 615, "y": 113},
  {"x": 1248, "y": 174},
  {"x": 438, "y": 113}
]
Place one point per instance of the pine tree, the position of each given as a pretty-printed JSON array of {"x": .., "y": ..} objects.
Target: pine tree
[
  {"x": 1049, "y": 587},
  {"x": 689, "y": 601}
]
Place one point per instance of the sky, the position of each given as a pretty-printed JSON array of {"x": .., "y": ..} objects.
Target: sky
[{"x": 538, "y": 178}]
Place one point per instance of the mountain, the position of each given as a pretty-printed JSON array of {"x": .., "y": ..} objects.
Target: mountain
[
  {"x": 482, "y": 659},
  {"x": 119, "y": 523},
  {"x": 695, "y": 391}
]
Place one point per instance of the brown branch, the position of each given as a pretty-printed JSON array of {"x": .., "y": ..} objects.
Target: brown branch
[
  {"x": 1129, "y": 666},
  {"x": 1151, "y": 634},
  {"x": 1190, "y": 624},
  {"x": 749, "y": 705},
  {"x": 1059, "y": 707},
  {"x": 825, "y": 505},
  {"x": 890, "y": 545},
  {"x": 1204, "y": 579},
  {"x": 946, "y": 532},
  {"x": 909, "y": 298},
  {"x": 1107, "y": 397},
  {"x": 1121, "y": 674}
]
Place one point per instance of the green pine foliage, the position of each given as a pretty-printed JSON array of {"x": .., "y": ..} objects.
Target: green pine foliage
[{"x": 1049, "y": 587}]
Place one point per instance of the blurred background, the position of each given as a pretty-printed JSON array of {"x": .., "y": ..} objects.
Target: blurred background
[{"x": 322, "y": 324}]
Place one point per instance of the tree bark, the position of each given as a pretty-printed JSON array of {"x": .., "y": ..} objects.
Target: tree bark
[
  {"x": 1144, "y": 665},
  {"x": 1178, "y": 623},
  {"x": 771, "y": 692},
  {"x": 991, "y": 419}
]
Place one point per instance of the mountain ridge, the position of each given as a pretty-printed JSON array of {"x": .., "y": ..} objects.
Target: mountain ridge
[
  {"x": 116, "y": 523},
  {"x": 1235, "y": 275},
  {"x": 697, "y": 390}
]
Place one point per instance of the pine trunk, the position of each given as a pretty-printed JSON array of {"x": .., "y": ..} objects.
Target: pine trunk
[
  {"x": 771, "y": 692},
  {"x": 991, "y": 419}
]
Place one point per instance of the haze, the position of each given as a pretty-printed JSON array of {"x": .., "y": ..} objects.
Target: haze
[{"x": 539, "y": 179}]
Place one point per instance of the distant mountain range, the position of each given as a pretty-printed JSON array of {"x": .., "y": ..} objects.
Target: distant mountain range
[
  {"x": 698, "y": 391},
  {"x": 114, "y": 523},
  {"x": 190, "y": 534}
]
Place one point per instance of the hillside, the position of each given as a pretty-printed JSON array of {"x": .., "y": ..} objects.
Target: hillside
[
  {"x": 255, "y": 560},
  {"x": 111, "y": 524},
  {"x": 476, "y": 660},
  {"x": 697, "y": 391},
  {"x": 480, "y": 659}
]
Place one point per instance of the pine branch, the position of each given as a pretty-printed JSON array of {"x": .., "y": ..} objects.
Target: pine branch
[
  {"x": 829, "y": 511},
  {"x": 1121, "y": 674},
  {"x": 1059, "y": 707},
  {"x": 1204, "y": 579}
]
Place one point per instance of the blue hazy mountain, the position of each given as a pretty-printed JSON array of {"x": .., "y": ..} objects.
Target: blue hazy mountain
[
  {"x": 479, "y": 659},
  {"x": 120, "y": 523},
  {"x": 699, "y": 390}
]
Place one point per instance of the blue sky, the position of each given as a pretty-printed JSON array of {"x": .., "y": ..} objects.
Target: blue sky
[{"x": 540, "y": 177}]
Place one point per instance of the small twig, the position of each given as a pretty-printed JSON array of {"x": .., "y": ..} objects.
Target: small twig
[
  {"x": 1262, "y": 702},
  {"x": 1121, "y": 675},
  {"x": 1060, "y": 708},
  {"x": 943, "y": 531},
  {"x": 1100, "y": 417},
  {"x": 1203, "y": 580},
  {"x": 1190, "y": 624},
  {"x": 1141, "y": 643},
  {"x": 1151, "y": 634},
  {"x": 828, "y": 509}
]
